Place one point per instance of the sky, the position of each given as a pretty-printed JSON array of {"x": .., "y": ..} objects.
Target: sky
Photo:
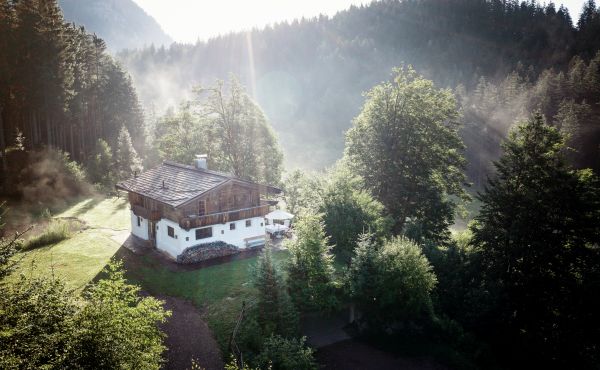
[{"x": 192, "y": 20}]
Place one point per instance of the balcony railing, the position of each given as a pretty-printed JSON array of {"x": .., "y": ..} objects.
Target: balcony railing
[{"x": 191, "y": 222}]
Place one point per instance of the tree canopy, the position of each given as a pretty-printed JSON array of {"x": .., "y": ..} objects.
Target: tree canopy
[
  {"x": 537, "y": 238},
  {"x": 406, "y": 147}
]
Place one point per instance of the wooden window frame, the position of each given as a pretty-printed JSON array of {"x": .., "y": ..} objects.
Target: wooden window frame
[{"x": 171, "y": 231}]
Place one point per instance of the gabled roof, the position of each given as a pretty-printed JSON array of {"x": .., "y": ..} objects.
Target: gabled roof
[{"x": 181, "y": 182}]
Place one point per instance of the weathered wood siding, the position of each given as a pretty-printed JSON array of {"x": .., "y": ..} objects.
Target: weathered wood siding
[{"x": 222, "y": 202}]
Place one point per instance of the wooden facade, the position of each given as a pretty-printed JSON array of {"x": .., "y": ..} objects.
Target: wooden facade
[{"x": 232, "y": 201}]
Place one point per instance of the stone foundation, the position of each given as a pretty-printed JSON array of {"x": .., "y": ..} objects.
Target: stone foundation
[{"x": 203, "y": 252}]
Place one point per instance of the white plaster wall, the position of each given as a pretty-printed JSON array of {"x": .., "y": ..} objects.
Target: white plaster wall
[
  {"x": 220, "y": 232},
  {"x": 139, "y": 231},
  {"x": 164, "y": 241}
]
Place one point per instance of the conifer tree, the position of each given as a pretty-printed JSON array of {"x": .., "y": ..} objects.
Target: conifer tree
[
  {"x": 126, "y": 158},
  {"x": 276, "y": 314},
  {"x": 537, "y": 237},
  {"x": 310, "y": 269}
]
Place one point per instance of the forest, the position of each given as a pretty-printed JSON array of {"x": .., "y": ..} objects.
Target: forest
[
  {"x": 442, "y": 159},
  {"x": 308, "y": 75}
]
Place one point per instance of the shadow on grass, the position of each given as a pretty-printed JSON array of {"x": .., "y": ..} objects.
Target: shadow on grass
[{"x": 88, "y": 206}]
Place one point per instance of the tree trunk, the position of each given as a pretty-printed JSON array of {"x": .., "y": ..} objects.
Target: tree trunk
[{"x": 2, "y": 143}]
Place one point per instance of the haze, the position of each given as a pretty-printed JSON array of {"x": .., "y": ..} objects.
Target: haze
[{"x": 190, "y": 20}]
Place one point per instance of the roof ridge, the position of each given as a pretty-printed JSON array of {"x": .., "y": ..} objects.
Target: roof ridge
[{"x": 201, "y": 170}]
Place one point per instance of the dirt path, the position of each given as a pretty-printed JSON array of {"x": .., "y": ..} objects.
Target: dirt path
[
  {"x": 188, "y": 336},
  {"x": 352, "y": 354}
]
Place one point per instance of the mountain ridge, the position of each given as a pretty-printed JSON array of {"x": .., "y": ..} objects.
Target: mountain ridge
[{"x": 122, "y": 24}]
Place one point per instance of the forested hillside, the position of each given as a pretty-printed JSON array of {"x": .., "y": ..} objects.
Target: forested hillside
[
  {"x": 59, "y": 88},
  {"x": 121, "y": 23},
  {"x": 308, "y": 75}
]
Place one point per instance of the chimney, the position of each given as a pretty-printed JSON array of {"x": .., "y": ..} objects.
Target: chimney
[{"x": 200, "y": 161}]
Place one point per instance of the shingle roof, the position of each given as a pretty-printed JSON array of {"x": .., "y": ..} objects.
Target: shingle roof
[{"x": 181, "y": 183}]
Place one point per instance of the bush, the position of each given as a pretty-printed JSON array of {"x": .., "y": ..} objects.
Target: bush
[
  {"x": 56, "y": 231},
  {"x": 391, "y": 285},
  {"x": 286, "y": 354}
]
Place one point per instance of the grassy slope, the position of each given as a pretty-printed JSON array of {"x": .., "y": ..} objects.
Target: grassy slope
[
  {"x": 80, "y": 258},
  {"x": 219, "y": 290}
]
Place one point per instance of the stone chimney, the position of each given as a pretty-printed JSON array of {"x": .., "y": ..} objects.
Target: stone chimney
[{"x": 200, "y": 162}]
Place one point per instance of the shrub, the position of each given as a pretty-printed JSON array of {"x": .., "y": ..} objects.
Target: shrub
[
  {"x": 286, "y": 354},
  {"x": 391, "y": 285},
  {"x": 56, "y": 231}
]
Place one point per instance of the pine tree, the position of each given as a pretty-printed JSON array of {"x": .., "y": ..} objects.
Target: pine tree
[
  {"x": 100, "y": 168},
  {"x": 537, "y": 237},
  {"x": 276, "y": 314},
  {"x": 126, "y": 158}
]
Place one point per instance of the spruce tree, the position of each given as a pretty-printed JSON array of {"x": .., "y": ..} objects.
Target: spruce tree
[
  {"x": 126, "y": 159},
  {"x": 537, "y": 238},
  {"x": 310, "y": 269},
  {"x": 276, "y": 314}
]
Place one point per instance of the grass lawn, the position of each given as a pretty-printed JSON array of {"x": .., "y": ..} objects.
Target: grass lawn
[
  {"x": 219, "y": 289},
  {"x": 80, "y": 258}
]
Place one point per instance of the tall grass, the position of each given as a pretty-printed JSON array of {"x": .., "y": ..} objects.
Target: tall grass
[{"x": 56, "y": 231}]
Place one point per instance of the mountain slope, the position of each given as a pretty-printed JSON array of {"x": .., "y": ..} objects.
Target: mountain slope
[
  {"x": 121, "y": 23},
  {"x": 309, "y": 75}
]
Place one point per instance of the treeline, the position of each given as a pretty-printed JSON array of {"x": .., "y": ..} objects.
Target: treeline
[
  {"x": 59, "y": 88},
  {"x": 569, "y": 99},
  {"x": 308, "y": 75}
]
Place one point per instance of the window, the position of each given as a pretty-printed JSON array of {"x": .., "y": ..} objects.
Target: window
[
  {"x": 262, "y": 224},
  {"x": 280, "y": 222},
  {"x": 139, "y": 221},
  {"x": 232, "y": 226},
  {"x": 248, "y": 223},
  {"x": 205, "y": 232},
  {"x": 222, "y": 231},
  {"x": 171, "y": 231}
]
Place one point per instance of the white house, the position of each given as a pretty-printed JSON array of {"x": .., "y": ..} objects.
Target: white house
[{"x": 192, "y": 213}]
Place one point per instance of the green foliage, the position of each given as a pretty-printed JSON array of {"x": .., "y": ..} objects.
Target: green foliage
[
  {"x": 244, "y": 140},
  {"x": 303, "y": 191},
  {"x": 36, "y": 324},
  {"x": 537, "y": 241},
  {"x": 117, "y": 328},
  {"x": 391, "y": 284},
  {"x": 280, "y": 353},
  {"x": 44, "y": 325},
  {"x": 309, "y": 74},
  {"x": 126, "y": 159},
  {"x": 274, "y": 310},
  {"x": 56, "y": 231},
  {"x": 349, "y": 210},
  {"x": 310, "y": 269},
  {"x": 182, "y": 135},
  {"x": 406, "y": 147},
  {"x": 8, "y": 248},
  {"x": 100, "y": 168},
  {"x": 70, "y": 90}
]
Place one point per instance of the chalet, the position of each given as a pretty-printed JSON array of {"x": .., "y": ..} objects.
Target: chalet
[{"x": 192, "y": 213}]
